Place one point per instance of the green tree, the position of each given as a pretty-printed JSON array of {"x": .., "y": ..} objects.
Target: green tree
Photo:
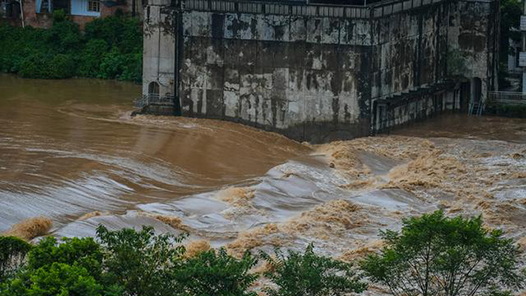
[
  {"x": 58, "y": 279},
  {"x": 81, "y": 252},
  {"x": 140, "y": 261},
  {"x": 216, "y": 273},
  {"x": 71, "y": 267},
  {"x": 437, "y": 255},
  {"x": 310, "y": 274},
  {"x": 110, "y": 48}
]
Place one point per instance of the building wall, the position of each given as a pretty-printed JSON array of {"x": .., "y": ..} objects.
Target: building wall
[
  {"x": 159, "y": 47},
  {"x": 320, "y": 77},
  {"x": 413, "y": 53},
  {"x": 268, "y": 71}
]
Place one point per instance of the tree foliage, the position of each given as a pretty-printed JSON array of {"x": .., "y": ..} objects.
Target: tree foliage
[
  {"x": 72, "y": 267},
  {"x": 431, "y": 255},
  {"x": 110, "y": 48},
  {"x": 216, "y": 273},
  {"x": 310, "y": 274},
  {"x": 437, "y": 255},
  {"x": 141, "y": 261}
]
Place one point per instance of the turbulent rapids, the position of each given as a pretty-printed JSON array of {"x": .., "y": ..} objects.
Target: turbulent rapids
[{"x": 72, "y": 158}]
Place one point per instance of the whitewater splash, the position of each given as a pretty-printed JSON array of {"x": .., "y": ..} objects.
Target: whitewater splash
[{"x": 86, "y": 162}]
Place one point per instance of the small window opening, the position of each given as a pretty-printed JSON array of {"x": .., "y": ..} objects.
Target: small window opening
[{"x": 94, "y": 5}]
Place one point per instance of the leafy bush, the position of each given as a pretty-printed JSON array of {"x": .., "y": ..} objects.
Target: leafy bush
[
  {"x": 57, "y": 279},
  {"x": 59, "y": 15},
  {"x": 310, "y": 274},
  {"x": 123, "y": 33},
  {"x": 110, "y": 48},
  {"x": 216, "y": 273},
  {"x": 436, "y": 255},
  {"x": 71, "y": 267},
  {"x": 91, "y": 57},
  {"x": 129, "y": 262},
  {"x": 82, "y": 252},
  {"x": 141, "y": 262},
  {"x": 34, "y": 65},
  {"x": 38, "y": 65},
  {"x": 65, "y": 37}
]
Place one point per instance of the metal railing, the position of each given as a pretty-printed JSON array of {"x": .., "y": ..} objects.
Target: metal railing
[
  {"x": 305, "y": 8},
  {"x": 154, "y": 99}
]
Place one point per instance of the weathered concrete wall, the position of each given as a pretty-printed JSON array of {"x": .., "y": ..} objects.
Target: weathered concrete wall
[
  {"x": 159, "y": 47},
  {"x": 319, "y": 74},
  {"x": 473, "y": 34},
  {"x": 413, "y": 73},
  {"x": 281, "y": 72}
]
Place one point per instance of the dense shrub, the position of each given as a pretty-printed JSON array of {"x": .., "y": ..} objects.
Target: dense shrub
[
  {"x": 119, "y": 32},
  {"x": 56, "y": 279},
  {"x": 115, "y": 65},
  {"x": 141, "y": 261},
  {"x": 91, "y": 57},
  {"x": 38, "y": 65},
  {"x": 216, "y": 273},
  {"x": 82, "y": 252},
  {"x": 72, "y": 267},
  {"x": 431, "y": 255},
  {"x": 310, "y": 274},
  {"x": 110, "y": 48}
]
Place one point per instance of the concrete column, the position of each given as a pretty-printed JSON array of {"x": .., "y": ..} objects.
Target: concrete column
[{"x": 523, "y": 49}]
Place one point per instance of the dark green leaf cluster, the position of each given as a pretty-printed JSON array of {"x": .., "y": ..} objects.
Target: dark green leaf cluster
[
  {"x": 126, "y": 262},
  {"x": 310, "y": 274},
  {"x": 431, "y": 255},
  {"x": 216, "y": 273},
  {"x": 140, "y": 261},
  {"x": 437, "y": 255},
  {"x": 110, "y": 48},
  {"x": 72, "y": 267}
]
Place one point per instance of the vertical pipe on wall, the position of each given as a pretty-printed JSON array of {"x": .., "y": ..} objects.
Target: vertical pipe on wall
[
  {"x": 177, "y": 26},
  {"x": 22, "y": 13}
]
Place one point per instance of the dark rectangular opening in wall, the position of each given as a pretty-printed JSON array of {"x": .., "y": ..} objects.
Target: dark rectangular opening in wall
[
  {"x": 61, "y": 4},
  {"x": 465, "y": 95}
]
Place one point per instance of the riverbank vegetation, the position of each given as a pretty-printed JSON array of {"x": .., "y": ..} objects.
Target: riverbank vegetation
[
  {"x": 506, "y": 110},
  {"x": 109, "y": 48},
  {"x": 431, "y": 255}
]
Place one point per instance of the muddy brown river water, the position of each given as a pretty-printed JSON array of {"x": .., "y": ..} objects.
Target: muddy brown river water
[{"x": 70, "y": 151}]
